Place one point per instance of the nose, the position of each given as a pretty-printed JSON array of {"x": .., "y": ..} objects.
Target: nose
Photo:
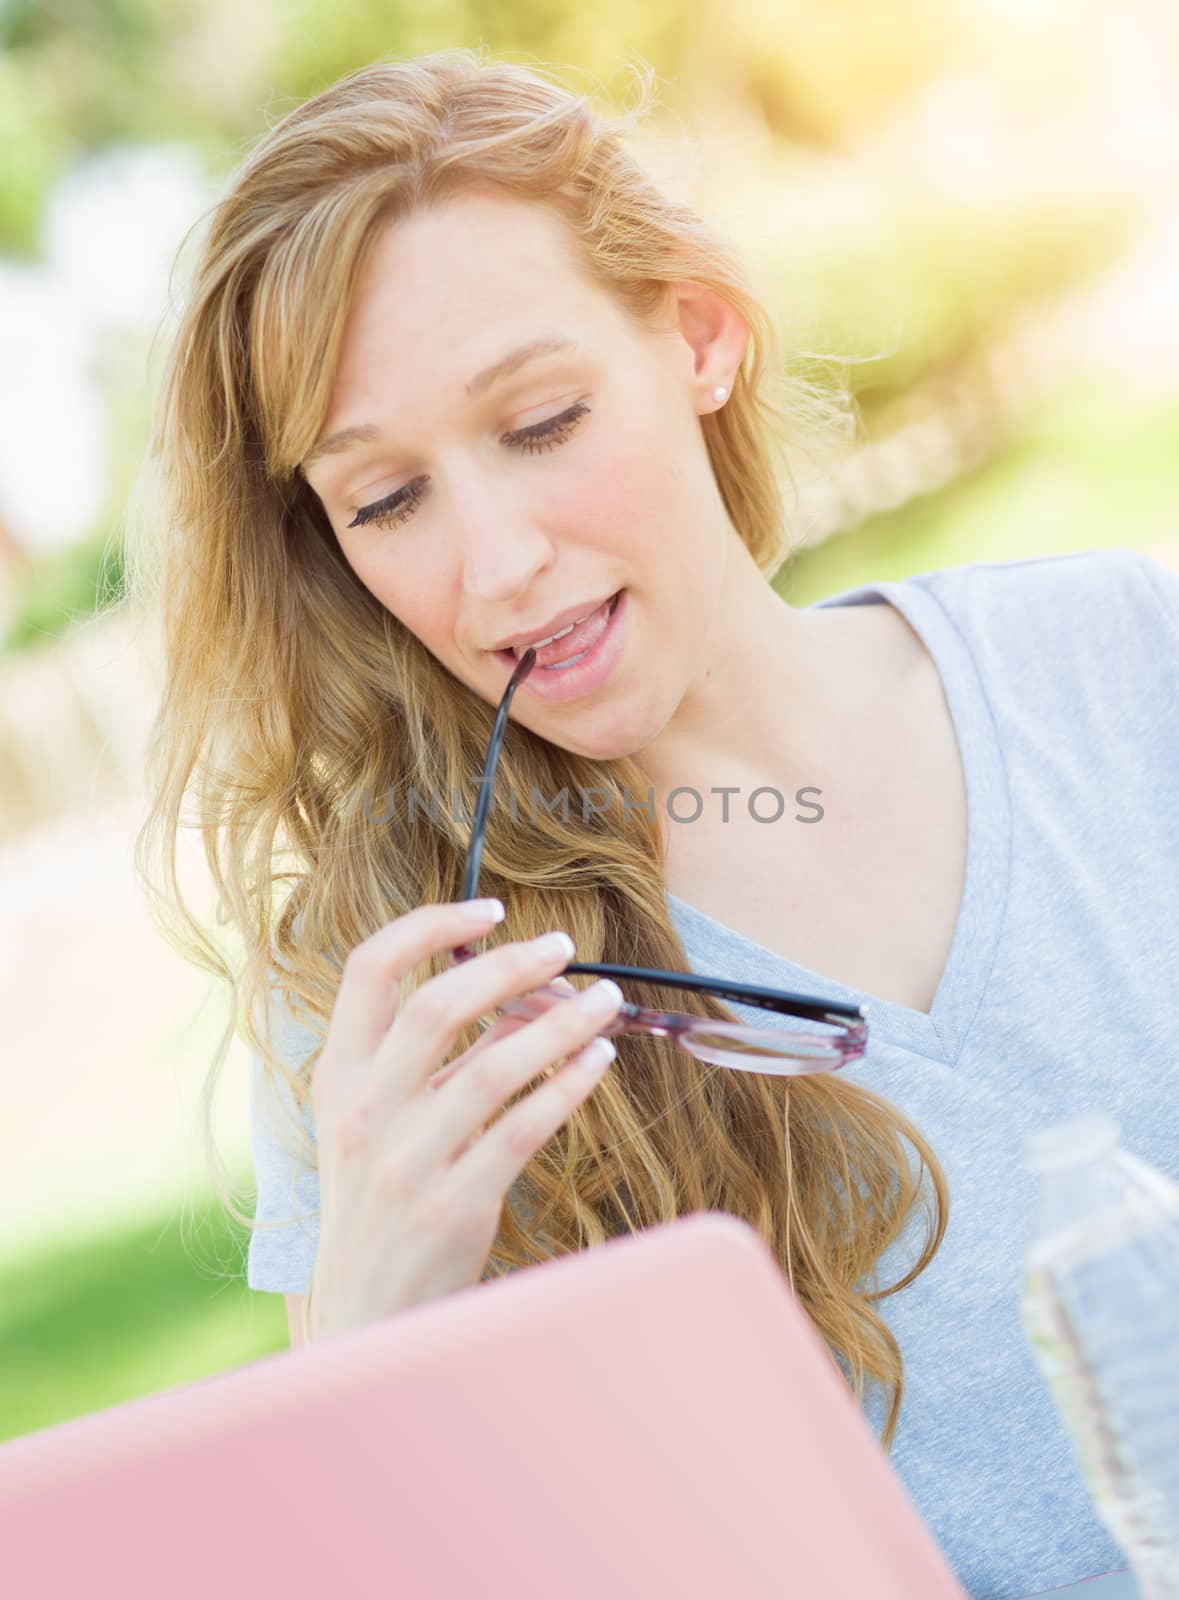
[{"x": 502, "y": 549}]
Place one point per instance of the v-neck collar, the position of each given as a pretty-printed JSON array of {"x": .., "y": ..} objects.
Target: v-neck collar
[{"x": 940, "y": 1032}]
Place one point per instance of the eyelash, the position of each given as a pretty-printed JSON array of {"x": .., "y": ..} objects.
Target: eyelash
[{"x": 395, "y": 508}]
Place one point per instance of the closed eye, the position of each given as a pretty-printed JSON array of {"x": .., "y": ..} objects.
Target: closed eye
[{"x": 397, "y": 507}]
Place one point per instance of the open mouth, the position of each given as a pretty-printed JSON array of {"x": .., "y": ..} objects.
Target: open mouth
[
  {"x": 561, "y": 655},
  {"x": 582, "y": 662}
]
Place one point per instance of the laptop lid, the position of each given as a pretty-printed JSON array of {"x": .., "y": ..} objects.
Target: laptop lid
[{"x": 653, "y": 1417}]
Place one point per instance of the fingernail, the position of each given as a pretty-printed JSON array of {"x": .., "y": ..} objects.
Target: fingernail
[
  {"x": 603, "y": 995},
  {"x": 485, "y": 909},
  {"x": 598, "y": 1053}
]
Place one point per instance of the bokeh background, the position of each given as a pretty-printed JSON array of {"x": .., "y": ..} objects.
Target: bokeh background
[{"x": 963, "y": 213}]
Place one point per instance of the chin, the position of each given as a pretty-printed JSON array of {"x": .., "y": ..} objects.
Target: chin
[{"x": 614, "y": 738}]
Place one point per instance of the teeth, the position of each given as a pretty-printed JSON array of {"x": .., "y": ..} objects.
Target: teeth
[
  {"x": 519, "y": 649},
  {"x": 536, "y": 643}
]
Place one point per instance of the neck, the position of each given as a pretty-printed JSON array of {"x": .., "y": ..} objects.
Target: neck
[{"x": 774, "y": 687}]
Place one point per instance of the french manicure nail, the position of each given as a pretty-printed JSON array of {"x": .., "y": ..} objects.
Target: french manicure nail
[
  {"x": 484, "y": 909},
  {"x": 603, "y": 995}
]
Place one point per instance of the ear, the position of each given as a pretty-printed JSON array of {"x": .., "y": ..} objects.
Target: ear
[{"x": 715, "y": 333}]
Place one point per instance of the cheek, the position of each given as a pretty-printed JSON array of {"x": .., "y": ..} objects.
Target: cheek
[
  {"x": 408, "y": 591},
  {"x": 621, "y": 499},
  {"x": 364, "y": 559}
]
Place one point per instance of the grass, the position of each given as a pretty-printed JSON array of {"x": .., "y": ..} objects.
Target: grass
[{"x": 125, "y": 1313}]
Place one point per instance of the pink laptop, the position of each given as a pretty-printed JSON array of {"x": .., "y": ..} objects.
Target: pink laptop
[{"x": 652, "y": 1418}]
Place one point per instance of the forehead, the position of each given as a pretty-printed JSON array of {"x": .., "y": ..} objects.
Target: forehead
[{"x": 466, "y": 275}]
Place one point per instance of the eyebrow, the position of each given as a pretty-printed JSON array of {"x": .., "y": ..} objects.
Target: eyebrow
[{"x": 364, "y": 432}]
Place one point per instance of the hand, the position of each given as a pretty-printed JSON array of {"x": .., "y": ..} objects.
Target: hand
[{"x": 412, "y": 1177}]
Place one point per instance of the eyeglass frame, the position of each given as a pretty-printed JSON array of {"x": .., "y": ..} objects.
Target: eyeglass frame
[{"x": 632, "y": 1018}]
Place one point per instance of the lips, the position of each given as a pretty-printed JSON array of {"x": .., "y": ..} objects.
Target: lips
[{"x": 583, "y": 637}]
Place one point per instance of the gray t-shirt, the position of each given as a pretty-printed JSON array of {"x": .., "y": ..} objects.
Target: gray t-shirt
[{"x": 1058, "y": 998}]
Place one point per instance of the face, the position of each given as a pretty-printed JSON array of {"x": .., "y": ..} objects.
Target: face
[{"x": 580, "y": 474}]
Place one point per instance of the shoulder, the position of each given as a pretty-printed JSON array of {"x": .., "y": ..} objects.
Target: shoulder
[
  {"x": 1116, "y": 575},
  {"x": 1108, "y": 614},
  {"x": 1160, "y": 568},
  {"x": 1103, "y": 578}
]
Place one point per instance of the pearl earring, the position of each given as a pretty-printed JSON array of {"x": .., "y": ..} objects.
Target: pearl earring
[{"x": 720, "y": 393}]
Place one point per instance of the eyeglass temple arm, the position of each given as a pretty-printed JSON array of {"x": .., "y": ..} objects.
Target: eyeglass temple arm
[
  {"x": 475, "y": 854},
  {"x": 781, "y": 1000}
]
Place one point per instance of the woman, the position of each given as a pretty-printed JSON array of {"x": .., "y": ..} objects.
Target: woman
[{"x": 978, "y": 842}]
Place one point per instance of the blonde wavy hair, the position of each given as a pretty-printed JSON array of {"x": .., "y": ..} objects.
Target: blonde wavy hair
[{"x": 290, "y": 692}]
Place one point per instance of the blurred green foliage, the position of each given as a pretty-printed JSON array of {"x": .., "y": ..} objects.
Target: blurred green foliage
[
  {"x": 820, "y": 73},
  {"x": 63, "y": 587},
  {"x": 873, "y": 262},
  {"x": 1092, "y": 468},
  {"x": 35, "y": 149},
  {"x": 910, "y": 287}
]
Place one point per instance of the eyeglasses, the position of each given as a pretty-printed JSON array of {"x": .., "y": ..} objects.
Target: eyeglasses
[{"x": 835, "y": 1033}]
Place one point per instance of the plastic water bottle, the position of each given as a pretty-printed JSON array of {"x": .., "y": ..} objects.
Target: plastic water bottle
[{"x": 1101, "y": 1309}]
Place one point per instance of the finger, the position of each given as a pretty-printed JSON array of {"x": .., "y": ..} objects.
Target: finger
[
  {"x": 493, "y": 1162},
  {"x": 369, "y": 995},
  {"x": 499, "y": 1029},
  {"x": 427, "y": 1025},
  {"x": 476, "y": 1096},
  {"x": 502, "y": 1027}
]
